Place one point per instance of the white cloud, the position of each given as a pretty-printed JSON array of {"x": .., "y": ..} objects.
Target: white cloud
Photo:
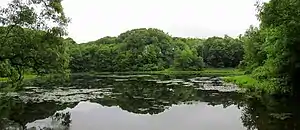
[{"x": 93, "y": 19}]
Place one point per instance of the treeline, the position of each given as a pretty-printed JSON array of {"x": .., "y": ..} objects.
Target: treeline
[
  {"x": 44, "y": 52},
  {"x": 272, "y": 51},
  {"x": 153, "y": 50}
]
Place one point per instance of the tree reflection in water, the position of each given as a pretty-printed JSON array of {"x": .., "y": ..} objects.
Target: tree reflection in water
[
  {"x": 143, "y": 96},
  {"x": 269, "y": 113},
  {"x": 16, "y": 114}
]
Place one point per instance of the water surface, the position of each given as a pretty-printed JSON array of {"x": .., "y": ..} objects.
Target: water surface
[{"x": 143, "y": 102}]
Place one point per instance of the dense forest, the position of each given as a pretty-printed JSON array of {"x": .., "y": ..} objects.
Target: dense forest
[
  {"x": 272, "y": 51},
  {"x": 153, "y": 50},
  {"x": 268, "y": 53}
]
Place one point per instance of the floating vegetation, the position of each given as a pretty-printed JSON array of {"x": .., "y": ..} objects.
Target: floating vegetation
[
  {"x": 40, "y": 105},
  {"x": 86, "y": 88},
  {"x": 121, "y": 79}
]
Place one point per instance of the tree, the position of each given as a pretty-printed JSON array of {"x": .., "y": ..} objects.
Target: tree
[
  {"x": 106, "y": 40},
  {"x": 255, "y": 55},
  {"x": 221, "y": 52},
  {"x": 234, "y": 51},
  {"x": 188, "y": 60},
  {"x": 272, "y": 51},
  {"x": 31, "y": 38},
  {"x": 152, "y": 49}
]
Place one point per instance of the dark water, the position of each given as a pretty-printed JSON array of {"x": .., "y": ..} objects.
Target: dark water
[{"x": 144, "y": 102}]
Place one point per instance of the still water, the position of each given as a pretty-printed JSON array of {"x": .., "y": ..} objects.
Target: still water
[{"x": 143, "y": 102}]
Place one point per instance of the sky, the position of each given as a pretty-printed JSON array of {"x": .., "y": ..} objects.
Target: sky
[{"x": 93, "y": 19}]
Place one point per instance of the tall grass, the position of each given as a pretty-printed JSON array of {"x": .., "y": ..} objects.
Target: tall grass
[{"x": 250, "y": 83}]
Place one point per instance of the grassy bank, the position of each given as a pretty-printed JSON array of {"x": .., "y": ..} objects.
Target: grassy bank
[
  {"x": 248, "y": 82},
  {"x": 242, "y": 80},
  {"x": 228, "y": 75},
  {"x": 205, "y": 72},
  {"x": 26, "y": 77}
]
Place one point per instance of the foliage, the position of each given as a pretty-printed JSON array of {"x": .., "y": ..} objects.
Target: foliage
[
  {"x": 250, "y": 83},
  {"x": 221, "y": 52},
  {"x": 92, "y": 58},
  {"x": 187, "y": 60},
  {"x": 28, "y": 42},
  {"x": 254, "y": 53},
  {"x": 151, "y": 50},
  {"x": 272, "y": 51}
]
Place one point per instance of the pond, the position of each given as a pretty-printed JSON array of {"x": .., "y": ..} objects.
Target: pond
[{"x": 143, "y": 102}]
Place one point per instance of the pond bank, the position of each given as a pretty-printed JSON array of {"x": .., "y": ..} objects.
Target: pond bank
[
  {"x": 248, "y": 82},
  {"x": 205, "y": 72},
  {"x": 27, "y": 76},
  {"x": 208, "y": 72}
]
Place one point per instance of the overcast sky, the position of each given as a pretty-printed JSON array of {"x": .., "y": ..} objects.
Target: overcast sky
[{"x": 93, "y": 19}]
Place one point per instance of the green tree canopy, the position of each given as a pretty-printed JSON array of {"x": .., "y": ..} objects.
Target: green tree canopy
[
  {"x": 272, "y": 51},
  {"x": 30, "y": 38}
]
